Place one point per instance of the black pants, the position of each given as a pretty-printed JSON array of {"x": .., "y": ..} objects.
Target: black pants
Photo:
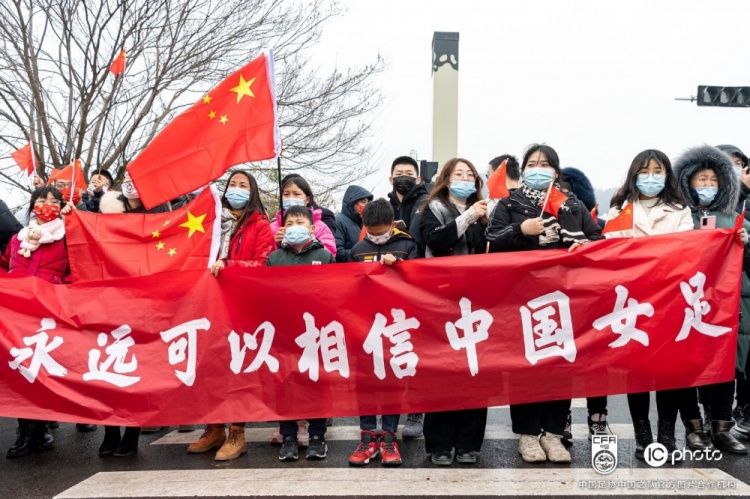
[
  {"x": 462, "y": 430},
  {"x": 718, "y": 399},
  {"x": 317, "y": 427},
  {"x": 597, "y": 405},
  {"x": 668, "y": 403},
  {"x": 533, "y": 418},
  {"x": 743, "y": 391}
]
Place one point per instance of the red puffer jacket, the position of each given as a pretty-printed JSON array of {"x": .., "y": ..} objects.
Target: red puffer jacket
[
  {"x": 48, "y": 262},
  {"x": 252, "y": 243}
]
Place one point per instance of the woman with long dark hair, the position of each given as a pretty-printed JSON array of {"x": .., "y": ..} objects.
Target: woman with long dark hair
[
  {"x": 651, "y": 191},
  {"x": 520, "y": 223},
  {"x": 246, "y": 241},
  {"x": 452, "y": 223}
]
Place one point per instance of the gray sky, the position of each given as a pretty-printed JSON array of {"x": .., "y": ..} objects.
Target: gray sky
[{"x": 596, "y": 80}]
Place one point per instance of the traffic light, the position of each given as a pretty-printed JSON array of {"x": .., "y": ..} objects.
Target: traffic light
[{"x": 723, "y": 96}]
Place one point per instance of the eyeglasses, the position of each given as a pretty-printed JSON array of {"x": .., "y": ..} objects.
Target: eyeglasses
[
  {"x": 463, "y": 176},
  {"x": 62, "y": 185}
]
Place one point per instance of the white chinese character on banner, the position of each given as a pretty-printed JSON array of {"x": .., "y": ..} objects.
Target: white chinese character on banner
[
  {"x": 184, "y": 348},
  {"x": 543, "y": 336},
  {"x": 403, "y": 359},
  {"x": 694, "y": 315},
  {"x": 329, "y": 342},
  {"x": 39, "y": 355},
  {"x": 471, "y": 334},
  {"x": 623, "y": 319},
  {"x": 251, "y": 343},
  {"x": 117, "y": 353}
]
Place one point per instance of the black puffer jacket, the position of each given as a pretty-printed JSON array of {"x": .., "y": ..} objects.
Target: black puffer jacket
[
  {"x": 9, "y": 226},
  {"x": 401, "y": 245},
  {"x": 504, "y": 229},
  {"x": 348, "y": 222},
  {"x": 439, "y": 231}
]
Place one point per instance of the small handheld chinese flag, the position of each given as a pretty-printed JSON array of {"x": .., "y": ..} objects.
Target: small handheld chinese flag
[
  {"x": 623, "y": 220},
  {"x": 555, "y": 199},
  {"x": 232, "y": 124},
  {"x": 496, "y": 184},
  {"x": 118, "y": 65},
  {"x": 72, "y": 173},
  {"x": 739, "y": 222},
  {"x": 25, "y": 159},
  {"x": 108, "y": 246},
  {"x": 595, "y": 213}
]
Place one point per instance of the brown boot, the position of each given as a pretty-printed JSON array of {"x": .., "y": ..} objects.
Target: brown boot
[
  {"x": 213, "y": 436},
  {"x": 235, "y": 445}
]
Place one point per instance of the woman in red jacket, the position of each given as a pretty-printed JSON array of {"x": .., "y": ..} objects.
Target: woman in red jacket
[
  {"x": 38, "y": 250},
  {"x": 247, "y": 241}
]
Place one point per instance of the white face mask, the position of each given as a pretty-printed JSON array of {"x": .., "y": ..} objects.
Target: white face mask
[
  {"x": 128, "y": 190},
  {"x": 382, "y": 239}
]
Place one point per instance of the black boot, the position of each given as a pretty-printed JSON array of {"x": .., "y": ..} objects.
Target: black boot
[
  {"x": 707, "y": 420},
  {"x": 111, "y": 441},
  {"x": 643, "y": 437},
  {"x": 42, "y": 436},
  {"x": 695, "y": 437},
  {"x": 85, "y": 428},
  {"x": 723, "y": 440},
  {"x": 665, "y": 437},
  {"x": 129, "y": 443},
  {"x": 23, "y": 442}
]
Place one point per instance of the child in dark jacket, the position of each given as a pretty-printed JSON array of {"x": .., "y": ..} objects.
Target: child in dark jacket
[
  {"x": 385, "y": 244},
  {"x": 299, "y": 247}
]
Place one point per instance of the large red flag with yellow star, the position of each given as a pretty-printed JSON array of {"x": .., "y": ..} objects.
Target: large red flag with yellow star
[
  {"x": 110, "y": 246},
  {"x": 232, "y": 124}
]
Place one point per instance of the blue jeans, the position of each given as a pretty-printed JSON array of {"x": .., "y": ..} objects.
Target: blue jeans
[
  {"x": 317, "y": 427},
  {"x": 390, "y": 423}
]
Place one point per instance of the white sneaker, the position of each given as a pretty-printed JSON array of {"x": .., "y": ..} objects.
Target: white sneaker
[
  {"x": 553, "y": 447},
  {"x": 530, "y": 450}
]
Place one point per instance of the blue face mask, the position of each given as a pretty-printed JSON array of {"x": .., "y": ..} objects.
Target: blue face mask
[
  {"x": 237, "y": 197},
  {"x": 288, "y": 203},
  {"x": 706, "y": 194},
  {"x": 296, "y": 235},
  {"x": 462, "y": 189},
  {"x": 538, "y": 178},
  {"x": 650, "y": 185}
]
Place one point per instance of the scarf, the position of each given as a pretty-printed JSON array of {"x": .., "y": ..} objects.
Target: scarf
[
  {"x": 565, "y": 227},
  {"x": 228, "y": 224}
]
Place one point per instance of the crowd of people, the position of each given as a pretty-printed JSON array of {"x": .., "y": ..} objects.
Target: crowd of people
[{"x": 449, "y": 217}]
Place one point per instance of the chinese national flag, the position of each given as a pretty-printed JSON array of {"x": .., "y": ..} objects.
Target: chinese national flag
[
  {"x": 232, "y": 124},
  {"x": 110, "y": 246},
  {"x": 496, "y": 184},
  {"x": 595, "y": 213},
  {"x": 72, "y": 173},
  {"x": 739, "y": 221},
  {"x": 118, "y": 65},
  {"x": 623, "y": 221},
  {"x": 555, "y": 200},
  {"x": 24, "y": 158}
]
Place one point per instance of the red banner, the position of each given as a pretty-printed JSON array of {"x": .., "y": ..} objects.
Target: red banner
[{"x": 615, "y": 316}]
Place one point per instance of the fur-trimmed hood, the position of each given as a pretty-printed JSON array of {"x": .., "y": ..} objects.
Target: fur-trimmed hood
[
  {"x": 111, "y": 202},
  {"x": 580, "y": 185},
  {"x": 708, "y": 157}
]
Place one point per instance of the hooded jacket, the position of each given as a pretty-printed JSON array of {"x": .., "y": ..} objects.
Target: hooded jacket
[
  {"x": 401, "y": 245},
  {"x": 9, "y": 226},
  {"x": 251, "y": 245},
  {"x": 406, "y": 209},
  {"x": 348, "y": 222},
  {"x": 723, "y": 207},
  {"x": 312, "y": 254},
  {"x": 581, "y": 186},
  {"x": 320, "y": 230},
  {"x": 744, "y": 190}
]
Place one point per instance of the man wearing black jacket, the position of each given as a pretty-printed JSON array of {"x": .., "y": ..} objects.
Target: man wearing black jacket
[{"x": 9, "y": 226}]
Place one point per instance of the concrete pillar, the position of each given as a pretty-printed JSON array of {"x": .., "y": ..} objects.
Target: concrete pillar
[{"x": 444, "y": 96}]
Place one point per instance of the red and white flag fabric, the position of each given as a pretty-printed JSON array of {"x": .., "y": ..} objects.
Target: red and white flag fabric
[
  {"x": 25, "y": 159},
  {"x": 118, "y": 65},
  {"x": 109, "y": 246},
  {"x": 232, "y": 124}
]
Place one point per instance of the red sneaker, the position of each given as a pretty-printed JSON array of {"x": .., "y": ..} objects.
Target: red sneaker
[
  {"x": 389, "y": 454},
  {"x": 366, "y": 450}
]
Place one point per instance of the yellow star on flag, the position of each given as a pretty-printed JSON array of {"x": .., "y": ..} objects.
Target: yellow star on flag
[
  {"x": 172, "y": 252},
  {"x": 155, "y": 233},
  {"x": 207, "y": 99},
  {"x": 627, "y": 212},
  {"x": 243, "y": 88},
  {"x": 160, "y": 246},
  {"x": 224, "y": 119},
  {"x": 194, "y": 224},
  {"x": 212, "y": 115}
]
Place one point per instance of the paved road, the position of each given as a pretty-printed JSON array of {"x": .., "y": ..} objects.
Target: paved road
[{"x": 162, "y": 468}]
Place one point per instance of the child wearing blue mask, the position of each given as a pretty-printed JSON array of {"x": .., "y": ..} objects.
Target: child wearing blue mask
[
  {"x": 300, "y": 247},
  {"x": 386, "y": 244}
]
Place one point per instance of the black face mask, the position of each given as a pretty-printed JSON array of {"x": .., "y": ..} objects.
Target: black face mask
[{"x": 404, "y": 184}]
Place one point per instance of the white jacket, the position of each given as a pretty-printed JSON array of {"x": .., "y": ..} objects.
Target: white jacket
[{"x": 662, "y": 219}]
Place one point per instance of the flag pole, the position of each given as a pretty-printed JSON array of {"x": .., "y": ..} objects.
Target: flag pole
[
  {"x": 33, "y": 163},
  {"x": 546, "y": 198},
  {"x": 281, "y": 192}
]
